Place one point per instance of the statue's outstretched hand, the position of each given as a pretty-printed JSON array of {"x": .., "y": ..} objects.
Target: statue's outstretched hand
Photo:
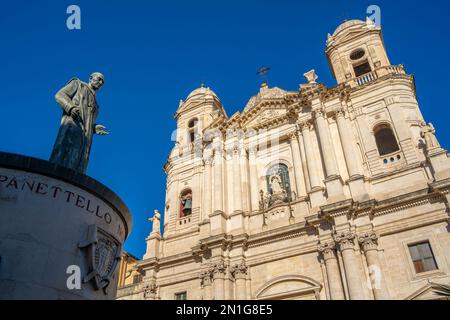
[{"x": 101, "y": 130}]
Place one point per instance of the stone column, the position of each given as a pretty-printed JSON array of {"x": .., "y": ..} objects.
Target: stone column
[
  {"x": 217, "y": 218},
  {"x": 207, "y": 186},
  {"x": 254, "y": 189},
  {"x": 310, "y": 161},
  {"x": 237, "y": 184},
  {"x": 297, "y": 163},
  {"x": 326, "y": 146},
  {"x": 218, "y": 187},
  {"x": 206, "y": 283},
  {"x": 356, "y": 180},
  {"x": 352, "y": 272},
  {"x": 347, "y": 140},
  {"x": 219, "y": 275},
  {"x": 316, "y": 196},
  {"x": 332, "y": 178},
  {"x": 239, "y": 272},
  {"x": 328, "y": 251},
  {"x": 369, "y": 245}
]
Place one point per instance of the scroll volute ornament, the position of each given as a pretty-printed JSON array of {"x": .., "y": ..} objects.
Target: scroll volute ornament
[
  {"x": 368, "y": 241},
  {"x": 239, "y": 270},
  {"x": 327, "y": 249},
  {"x": 345, "y": 240}
]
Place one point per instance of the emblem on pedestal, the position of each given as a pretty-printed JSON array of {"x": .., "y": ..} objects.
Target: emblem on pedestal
[{"x": 103, "y": 254}]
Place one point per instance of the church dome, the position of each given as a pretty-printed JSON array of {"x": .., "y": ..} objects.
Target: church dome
[
  {"x": 202, "y": 93},
  {"x": 351, "y": 24}
]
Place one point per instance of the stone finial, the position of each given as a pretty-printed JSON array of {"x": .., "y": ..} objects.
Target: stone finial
[{"x": 311, "y": 76}]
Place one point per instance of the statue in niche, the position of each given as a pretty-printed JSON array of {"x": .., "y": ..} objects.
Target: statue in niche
[
  {"x": 428, "y": 133},
  {"x": 275, "y": 184},
  {"x": 156, "y": 220},
  {"x": 278, "y": 191},
  {"x": 80, "y": 109}
]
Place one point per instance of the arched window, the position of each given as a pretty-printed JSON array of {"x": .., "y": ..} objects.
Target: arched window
[
  {"x": 278, "y": 181},
  {"x": 185, "y": 203},
  {"x": 192, "y": 127},
  {"x": 362, "y": 68},
  {"x": 385, "y": 139}
]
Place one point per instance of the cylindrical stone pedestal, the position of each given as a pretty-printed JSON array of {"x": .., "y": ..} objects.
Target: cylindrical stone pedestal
[{"x": 61, "y": 232}]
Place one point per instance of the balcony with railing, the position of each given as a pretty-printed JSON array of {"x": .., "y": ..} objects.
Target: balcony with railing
[{"x": 376, "y": 74}]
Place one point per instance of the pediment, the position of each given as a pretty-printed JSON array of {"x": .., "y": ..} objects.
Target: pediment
[
  {"x": 264, "y": 94},
  {"x": 266, "y": 115},
  {"x": 432, "y": 291},
  {"x": 290, "y": 287}
]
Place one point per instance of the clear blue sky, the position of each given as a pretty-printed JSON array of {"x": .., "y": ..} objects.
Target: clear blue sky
[{"x": 154, "y": 53}]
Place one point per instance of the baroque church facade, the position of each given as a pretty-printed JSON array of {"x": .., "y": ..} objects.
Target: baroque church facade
[{"x": 327, "y": 193}]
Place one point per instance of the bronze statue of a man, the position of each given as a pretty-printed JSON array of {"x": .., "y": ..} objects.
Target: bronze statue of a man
[{"x": 80, "y": 110}]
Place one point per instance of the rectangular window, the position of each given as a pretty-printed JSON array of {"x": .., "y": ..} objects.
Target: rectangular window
[
  {"x": 137, "y": 278},
  {"x": 422, "y": 257},
  {"x": 181, "y": 296}
]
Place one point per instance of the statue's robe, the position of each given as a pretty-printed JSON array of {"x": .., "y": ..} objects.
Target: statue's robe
[{"x": 74, "y": 140}]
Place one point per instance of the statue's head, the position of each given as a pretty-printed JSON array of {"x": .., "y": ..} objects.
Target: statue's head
[{"x": 96, "y": 80}]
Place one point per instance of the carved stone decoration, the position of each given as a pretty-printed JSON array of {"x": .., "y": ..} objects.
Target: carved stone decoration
[
  {"x": 264, "y": 93},
  {"x": 345, "y": 240},
  {"x": 218, "y": 268},
  {"x": 150, "y": 290},
  {"x": 277, "y": 213},
  {"x": 368, "y": 241},
  {"x": 319, "y": 113},
  {"x": 205, "y": 278},
  {"x": 428, "y": 133},
  {"x": 327, "y": 249},
  {"x": 103, "y": 254},
  {"x": 156, "y": 220},
  {"x": 305, "y": 126},
  {"x": 239, "y": 270},
  {"x": 311, "y": 76},
  {"x": 208, "y": 161}
]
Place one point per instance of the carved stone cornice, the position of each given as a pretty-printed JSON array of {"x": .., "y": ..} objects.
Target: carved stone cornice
[
  {"x": 239, "y": 270},
  {"x": 327, "y": 250},
  {"x": 368, "y": 241},
  {"x": 345, "y": 240}
]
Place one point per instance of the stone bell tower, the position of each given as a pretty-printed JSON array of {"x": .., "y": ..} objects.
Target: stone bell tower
[
  {"x": 355, "y": 49},
  {"x": 185, "y": 167}
]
